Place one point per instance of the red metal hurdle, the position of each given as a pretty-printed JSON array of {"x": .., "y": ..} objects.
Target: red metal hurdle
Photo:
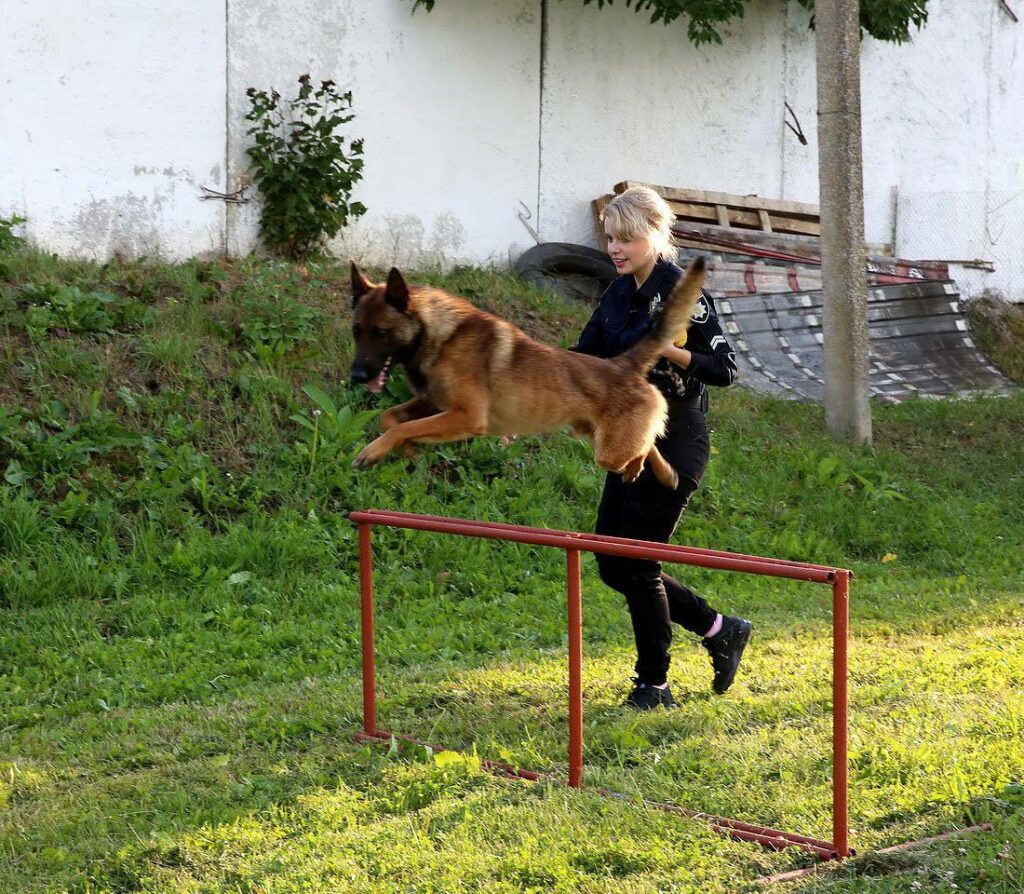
[{"x": 573, "y": 543}]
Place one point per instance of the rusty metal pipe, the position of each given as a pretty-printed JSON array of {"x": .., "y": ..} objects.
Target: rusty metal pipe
[
  {"x": 573, "y": 543},
  {"x": 379, "y": 516},
  {"x": 637, "y": 548},
  {"x": 575, "y": 612},
  {"x": 725, "y": 823},
  {"x": 840, "y": 709},
  {"x": 366, "y": 629}
]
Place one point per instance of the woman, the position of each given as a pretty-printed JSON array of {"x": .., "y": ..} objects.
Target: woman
[{"x": 638, "y": 226}]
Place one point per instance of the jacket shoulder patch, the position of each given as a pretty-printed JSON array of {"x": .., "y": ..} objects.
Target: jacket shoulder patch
[{"x": 702, "y": 311}]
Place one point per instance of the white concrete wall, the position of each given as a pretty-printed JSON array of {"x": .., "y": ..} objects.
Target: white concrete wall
[
  {"x": 111, "y": 119},
  {"x": 447, "y": 104},
  {"x": 943, "y": 139},
  {"x": 114, "y": 115},
  {"x": 627, "y": 100},
  {"x": 942, "y": 122}
]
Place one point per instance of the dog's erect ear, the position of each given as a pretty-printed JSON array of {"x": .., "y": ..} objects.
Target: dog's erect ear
[
  {"x": 397, "y": 294},
  {"x": 360, "y": 284}
]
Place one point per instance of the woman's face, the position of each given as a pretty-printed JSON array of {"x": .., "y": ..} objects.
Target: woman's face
[{"x": 629, "y": 256}]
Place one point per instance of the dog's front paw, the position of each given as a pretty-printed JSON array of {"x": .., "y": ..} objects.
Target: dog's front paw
[{"x": 371, "y": 454}]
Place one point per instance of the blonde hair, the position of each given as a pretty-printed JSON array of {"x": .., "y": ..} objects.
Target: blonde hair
[{"x": 640, "y": 213}]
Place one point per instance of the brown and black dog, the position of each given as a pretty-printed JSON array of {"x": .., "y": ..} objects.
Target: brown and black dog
[{"x": 476, "y": 374}]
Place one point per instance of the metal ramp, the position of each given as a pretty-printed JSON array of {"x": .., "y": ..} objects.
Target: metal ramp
[{"x": 920, "y": 343}]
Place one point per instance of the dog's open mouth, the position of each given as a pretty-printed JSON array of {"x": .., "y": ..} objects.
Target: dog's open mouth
[{"x": 377, "y": 383}]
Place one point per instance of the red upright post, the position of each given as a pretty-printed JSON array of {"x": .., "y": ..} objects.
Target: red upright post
[
  {"x": 572, "y": 557},
  {"x": 840, "y": 632},
  {"x": 366, "y": 609}
]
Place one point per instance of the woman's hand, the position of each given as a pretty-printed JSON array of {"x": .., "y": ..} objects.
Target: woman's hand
[{"x": 679, "y": 356}]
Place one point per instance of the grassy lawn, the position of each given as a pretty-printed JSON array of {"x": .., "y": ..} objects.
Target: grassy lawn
[{"x": 179, "y": 652}]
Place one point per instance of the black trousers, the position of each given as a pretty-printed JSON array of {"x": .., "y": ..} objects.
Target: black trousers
[{"x": 646, "y": 510}]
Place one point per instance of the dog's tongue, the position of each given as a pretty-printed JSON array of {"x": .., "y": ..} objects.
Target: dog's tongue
[{"x": 377, "y": 385}]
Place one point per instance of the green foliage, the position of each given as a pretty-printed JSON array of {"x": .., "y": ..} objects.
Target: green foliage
[
  {"x": 8, "y": 240},
  {"x": 328, "y": 429},
  {"x": 302, "y": 166},
  {"x": 874, "y": 483},
  {"x": 888, "y": 20},
  {"x": 274, "y": 326},
  {"x": 998, "y": 328},
  {"x": 54, "y": 308},
  {"x": 48, "y": 448},
  {"x": 181, "y": 632}
]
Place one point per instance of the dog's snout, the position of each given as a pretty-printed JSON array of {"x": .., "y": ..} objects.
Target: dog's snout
[{"x": 359, "y": 374}]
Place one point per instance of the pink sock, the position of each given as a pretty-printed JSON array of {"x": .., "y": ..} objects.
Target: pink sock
[
  {"x": 714, "y": 627},
  {"x": 662, "y": 686}
]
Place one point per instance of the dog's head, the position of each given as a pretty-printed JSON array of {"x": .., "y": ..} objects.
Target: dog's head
[{"x": 385, "y": 328}]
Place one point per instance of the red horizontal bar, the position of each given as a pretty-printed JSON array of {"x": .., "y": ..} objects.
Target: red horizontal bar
[
  {"x": 602, "y": 538},
  {"x": 616, "y": 546},
  {"x": 776, "y": 842}
]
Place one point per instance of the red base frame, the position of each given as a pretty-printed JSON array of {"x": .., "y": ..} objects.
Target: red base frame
[{"x": 573, "y": 543}]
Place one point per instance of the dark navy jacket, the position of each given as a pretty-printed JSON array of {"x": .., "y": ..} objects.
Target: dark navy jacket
[{"x": 624, "y": 315}]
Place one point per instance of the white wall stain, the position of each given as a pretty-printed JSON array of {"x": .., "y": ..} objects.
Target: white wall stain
[{"x": 127, "y": 225}]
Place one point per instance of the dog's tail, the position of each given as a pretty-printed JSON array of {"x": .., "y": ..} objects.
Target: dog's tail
[{"x": 672, "y": 322}]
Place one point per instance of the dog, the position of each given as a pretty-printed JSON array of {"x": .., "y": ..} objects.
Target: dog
[{"x": 475, "y": 374}]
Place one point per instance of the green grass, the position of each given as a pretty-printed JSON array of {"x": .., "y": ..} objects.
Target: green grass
[{"x": 179, "y": 655}]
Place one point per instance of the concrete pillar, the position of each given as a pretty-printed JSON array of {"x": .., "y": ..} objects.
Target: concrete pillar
[{"x": 840, "y": 175}]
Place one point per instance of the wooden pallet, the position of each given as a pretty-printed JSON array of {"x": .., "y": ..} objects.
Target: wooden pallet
[
  {"x": 736, "y": 212},
  {"x": 597, "y": 206}
]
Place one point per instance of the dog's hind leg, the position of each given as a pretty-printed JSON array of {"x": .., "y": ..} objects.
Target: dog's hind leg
[
  {"x": 617, "y": 454},
  {"x": 665, "y": 474},
  {"x": 616, "y": 451}
]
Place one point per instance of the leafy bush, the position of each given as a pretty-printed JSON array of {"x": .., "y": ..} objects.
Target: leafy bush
[
  {"x": 302, "y": 167},
  {"x": 50, "y": 449}
]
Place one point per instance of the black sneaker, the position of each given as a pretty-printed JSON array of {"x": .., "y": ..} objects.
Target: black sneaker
[
  {"x": 644, "y": 697},
  {"x": 726, "y": 648}
]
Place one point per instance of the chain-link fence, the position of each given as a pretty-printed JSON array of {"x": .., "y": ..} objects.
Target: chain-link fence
[{"x": 981, "y": 234}]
